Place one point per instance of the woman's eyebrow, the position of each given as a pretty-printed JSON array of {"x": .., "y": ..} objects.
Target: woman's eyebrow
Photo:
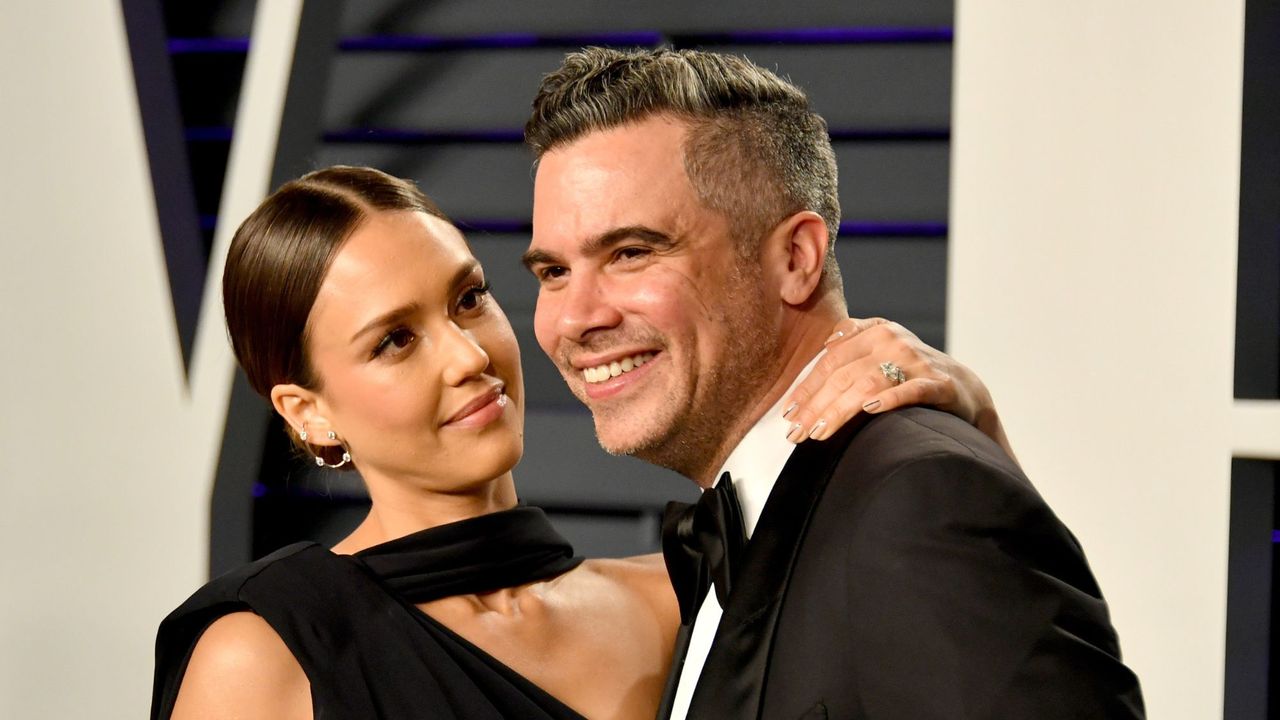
[{"x": 387, "y": 318}]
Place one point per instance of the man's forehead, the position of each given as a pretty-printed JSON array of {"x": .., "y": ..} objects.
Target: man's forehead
[
  {"x": 650, "y": 146},
  {"x": 630, "y": 175}
]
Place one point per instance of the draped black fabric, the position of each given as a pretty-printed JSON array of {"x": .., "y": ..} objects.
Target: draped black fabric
[
  {"x": 351, "y": 622},
  {"x": 483, "y": 554}
]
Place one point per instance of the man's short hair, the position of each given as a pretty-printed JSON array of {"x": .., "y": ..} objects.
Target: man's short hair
[{"x": 755, "y": 151}]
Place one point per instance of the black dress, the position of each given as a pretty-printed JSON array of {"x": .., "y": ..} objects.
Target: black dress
[{"x": 351, "y": 623}]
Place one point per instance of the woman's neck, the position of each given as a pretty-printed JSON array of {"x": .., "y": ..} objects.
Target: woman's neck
[{"x": 400, "y": 508}]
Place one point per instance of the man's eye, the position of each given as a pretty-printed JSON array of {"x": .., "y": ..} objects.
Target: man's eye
[
  {"x": 395, "y": 341},
  {"x": 632, "y": 253},
  {"x": 552, "y": 272},
  {"x": 473, "y": 297}
]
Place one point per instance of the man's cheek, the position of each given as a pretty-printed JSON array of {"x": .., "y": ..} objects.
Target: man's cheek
[
  {"x": 542, "y": 328},
  {"x": 677, "y": 292}
]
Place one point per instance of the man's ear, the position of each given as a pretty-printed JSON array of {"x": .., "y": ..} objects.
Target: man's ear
[
  {"x": 303, "y": 409},
  {"x": 798, "y": 248}
]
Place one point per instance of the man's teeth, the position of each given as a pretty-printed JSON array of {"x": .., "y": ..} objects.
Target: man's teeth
[{"x": 600, "y": 373}]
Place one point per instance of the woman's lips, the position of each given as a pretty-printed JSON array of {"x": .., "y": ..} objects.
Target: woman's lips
[{"x": 481, "y": 411}]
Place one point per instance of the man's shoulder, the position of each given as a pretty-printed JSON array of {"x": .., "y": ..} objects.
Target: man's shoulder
[
  {"x": 921, "y": 437},
  {"x": 916, "y": 467}
]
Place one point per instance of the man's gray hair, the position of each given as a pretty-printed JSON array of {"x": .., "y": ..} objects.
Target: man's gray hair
[{"x": 755, "y": 151}]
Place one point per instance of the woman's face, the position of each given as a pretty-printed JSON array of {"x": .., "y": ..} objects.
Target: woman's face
[{"x": 419, "y": 369}]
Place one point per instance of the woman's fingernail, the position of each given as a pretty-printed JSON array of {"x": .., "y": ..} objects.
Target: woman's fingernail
[
  {"x": 816, "y": 427},
  {"x": 790, "y": 409},
  {"x": 795, "y": 428},
  {"x": 871, "y": 405},
  {"x": 834, "y": 337}
]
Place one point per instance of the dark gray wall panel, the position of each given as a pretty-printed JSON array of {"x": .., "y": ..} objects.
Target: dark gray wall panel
[
  {"x": 563, "y": 465},
  {"x": 887, "y": 181},
  {"x": 1250, "y": 591},
  {"x": 470, "y": 17},
  {"x": 903, "y": 279},
  {"x": 853, "y": 86},
  {"x": 606, "y": 536},
  {"x": 220, "y": 18},
  {"x": 457, "y": 90},
  {"x": 468, "y": 181},
  {"x": 513, "y": 285},
  {"x": 901, "y": 87},
  {"x": 1257, "y": 362}
]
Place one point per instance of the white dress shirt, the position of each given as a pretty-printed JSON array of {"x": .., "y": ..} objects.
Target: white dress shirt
[{"x": 754, "y": 466}]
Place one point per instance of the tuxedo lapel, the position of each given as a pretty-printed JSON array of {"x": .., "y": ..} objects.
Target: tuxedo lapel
[{"x": 732, "y": 681}]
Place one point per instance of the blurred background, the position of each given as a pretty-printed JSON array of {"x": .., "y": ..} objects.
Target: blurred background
[{"x": 1082, "y": 202}]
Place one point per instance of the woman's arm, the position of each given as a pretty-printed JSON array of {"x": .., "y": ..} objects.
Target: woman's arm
[
  {"x": 241, "y": 668},
  {"x": 848, "y": 380}
]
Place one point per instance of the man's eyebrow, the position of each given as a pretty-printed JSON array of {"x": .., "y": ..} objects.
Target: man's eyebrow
[
  {"x": 603, "y": 242},
  {"x": 539, "y": 257}
]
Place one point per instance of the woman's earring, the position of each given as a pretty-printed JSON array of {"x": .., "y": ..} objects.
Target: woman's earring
[{"x": 320, "y": 462}]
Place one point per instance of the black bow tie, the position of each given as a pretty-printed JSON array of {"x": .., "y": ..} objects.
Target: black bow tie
[{"x": 703, "y": 545}]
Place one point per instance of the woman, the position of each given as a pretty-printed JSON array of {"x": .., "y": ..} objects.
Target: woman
[{"x": 358, "y": 309}]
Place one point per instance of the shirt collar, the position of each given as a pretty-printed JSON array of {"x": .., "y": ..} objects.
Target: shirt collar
[{"x": 760, "y": 456}]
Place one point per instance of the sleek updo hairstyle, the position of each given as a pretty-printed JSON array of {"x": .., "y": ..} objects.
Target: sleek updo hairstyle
[{"x": 279, "y": 258}]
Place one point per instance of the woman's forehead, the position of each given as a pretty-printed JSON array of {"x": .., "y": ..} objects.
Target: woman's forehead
[
  {"x": 387, "y": 243},
  {"x": 393, "y": 257}
]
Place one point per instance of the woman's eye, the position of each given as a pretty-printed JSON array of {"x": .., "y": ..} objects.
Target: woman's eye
[
  {"x": 396, "y": 340},
  {"x": 472, "y": 297}
]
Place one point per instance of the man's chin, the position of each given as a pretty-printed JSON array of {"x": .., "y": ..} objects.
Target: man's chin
[
  {"x": 619, "y": 443},
  {"x": 625, "y": 436}
]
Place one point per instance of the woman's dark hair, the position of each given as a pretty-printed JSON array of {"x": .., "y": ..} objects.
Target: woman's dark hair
[{"x": 280, "y": 255}]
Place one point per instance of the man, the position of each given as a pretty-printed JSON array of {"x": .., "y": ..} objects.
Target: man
[{"x": 685, "y": 211}]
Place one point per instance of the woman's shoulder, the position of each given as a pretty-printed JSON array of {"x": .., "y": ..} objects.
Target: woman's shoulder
[
  {"x": 240, "y": 667},
  {"x": 220, "y": 638}
]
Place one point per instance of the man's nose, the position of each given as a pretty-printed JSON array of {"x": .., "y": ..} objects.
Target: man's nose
[{"x": 587, "y": 306}]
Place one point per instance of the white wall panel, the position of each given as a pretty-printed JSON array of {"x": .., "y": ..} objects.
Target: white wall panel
[
  {"x": 106, "y": 455},
  {"x": 1092, "y": 283}
]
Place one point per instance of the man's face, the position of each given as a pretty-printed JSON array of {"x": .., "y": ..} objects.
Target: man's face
[{"x": 644, "y": 304}]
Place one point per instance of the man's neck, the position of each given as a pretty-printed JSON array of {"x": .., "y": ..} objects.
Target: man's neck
[{"x": 798, "y": 348}]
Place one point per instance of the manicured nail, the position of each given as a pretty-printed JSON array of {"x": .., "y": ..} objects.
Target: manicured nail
[
  {"x": 871, "y": 405},
  {"x": 816, "y": 427},
  {"x": 795, "y": 428},
  {"x": 790, "y": 409},
  {"x": 834, "y": 337}
]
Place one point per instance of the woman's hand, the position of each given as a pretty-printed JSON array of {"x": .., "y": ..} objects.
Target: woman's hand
[{"x": 849, "y": 379}]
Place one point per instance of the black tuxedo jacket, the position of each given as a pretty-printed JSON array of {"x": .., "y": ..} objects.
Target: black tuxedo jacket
[{"x": 906, "y": 568}]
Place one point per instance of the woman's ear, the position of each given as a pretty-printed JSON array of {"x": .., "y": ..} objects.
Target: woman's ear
[
  {"x": 303, "y": 410},
  {"x": 798, "y": 246}
]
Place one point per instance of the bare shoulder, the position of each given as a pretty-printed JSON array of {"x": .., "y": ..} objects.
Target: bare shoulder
[{"x": 241, "y": 668}]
